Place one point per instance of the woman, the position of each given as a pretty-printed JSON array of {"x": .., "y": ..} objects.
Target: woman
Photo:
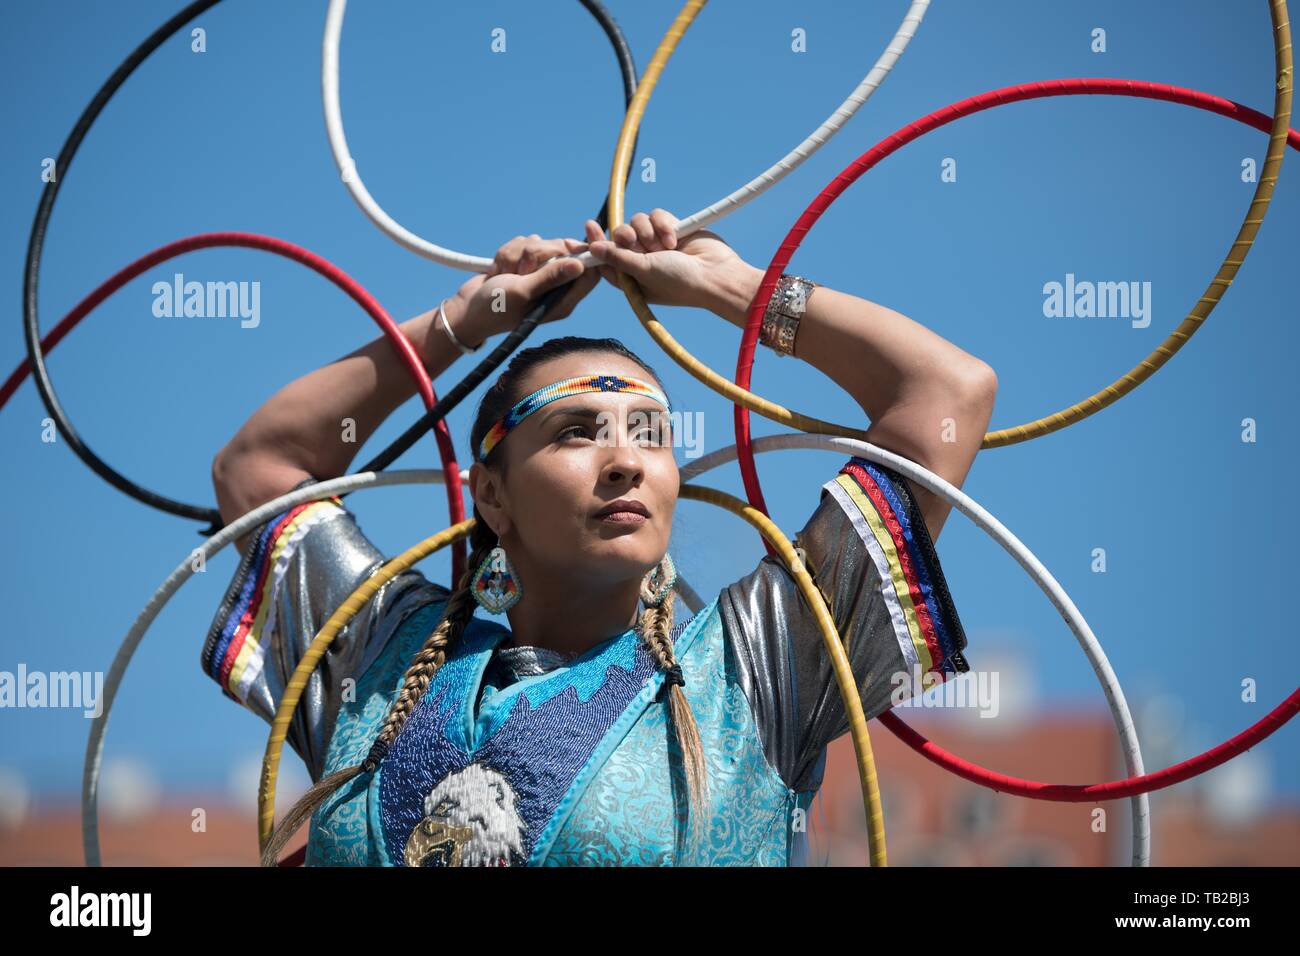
[{"x": 589, "y": 732}]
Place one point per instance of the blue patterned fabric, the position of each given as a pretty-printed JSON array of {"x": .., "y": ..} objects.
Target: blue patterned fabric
[
  {"x": 629, "y": 816},
  {"x": 578, "y": 766}
]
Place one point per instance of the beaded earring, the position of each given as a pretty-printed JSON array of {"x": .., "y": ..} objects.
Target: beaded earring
[
  {"x": 658, "y": 584},
  {"x": 495, "y": 585}
]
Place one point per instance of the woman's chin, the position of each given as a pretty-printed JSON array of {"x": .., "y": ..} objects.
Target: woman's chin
[{"x": 624, "y": 555}]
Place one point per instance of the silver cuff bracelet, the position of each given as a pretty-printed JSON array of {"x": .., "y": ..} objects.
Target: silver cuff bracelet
[{"x": 784, "y": 310}]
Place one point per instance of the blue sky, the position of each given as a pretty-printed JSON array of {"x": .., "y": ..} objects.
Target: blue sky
[{"x": 470, "y": 148}]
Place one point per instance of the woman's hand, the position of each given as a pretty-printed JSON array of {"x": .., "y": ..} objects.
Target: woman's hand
[
  {"x": 496, "y": 301},
  {"x": 700, "y": 270}
]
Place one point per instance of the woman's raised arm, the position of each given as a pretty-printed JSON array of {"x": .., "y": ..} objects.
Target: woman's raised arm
[
  {"x": 299, "y": 432},
  {"x": 927, "y": 400}
]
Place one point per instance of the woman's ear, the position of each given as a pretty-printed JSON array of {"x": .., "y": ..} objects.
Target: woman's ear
[{"x": 487, "y": 490}]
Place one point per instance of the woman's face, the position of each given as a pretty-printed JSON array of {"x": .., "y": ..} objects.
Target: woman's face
[{"x": 572, "y": 459}]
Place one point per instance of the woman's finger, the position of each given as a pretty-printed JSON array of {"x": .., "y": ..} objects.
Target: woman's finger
[
  {"x": 552, "y": 247},
  {"x": 625, "y": 236},
  {"x": 529, "y": 260},
  {"x": 596, "y": 234},
  {"x": 584, "y": 284},
  {"x": 556, "y": 272},
  {"x": 645, "y": 232},
  {"x": 623, "y": 260},
  {"x": 507, "y": 258},
  {"x": 665, "y": 226},
  {"x": 576, "y": 247},
  {"x": 537, "y": 252}
]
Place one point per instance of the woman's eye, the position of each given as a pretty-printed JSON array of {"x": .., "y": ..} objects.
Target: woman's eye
[
  {"x": 572, "y": 430},
  {"x": 655, "y": 434},
  {"x": 649, "y": 435}
]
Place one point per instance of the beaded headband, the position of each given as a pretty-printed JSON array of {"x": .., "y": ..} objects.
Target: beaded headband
[{"x": 563, "y": 389}]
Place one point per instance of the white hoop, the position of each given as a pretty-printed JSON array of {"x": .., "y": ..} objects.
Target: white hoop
[
  {"x": 1141, "y": 809},
  {"x": 460, "y": 260},
  {"x": 958, "y": 499}
]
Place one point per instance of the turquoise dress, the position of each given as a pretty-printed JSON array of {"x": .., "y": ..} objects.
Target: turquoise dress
[{"x": 576, "y": 763}]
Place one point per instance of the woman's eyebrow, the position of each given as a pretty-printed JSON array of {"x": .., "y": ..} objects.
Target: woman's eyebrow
[{"x": 592, "y": 412}]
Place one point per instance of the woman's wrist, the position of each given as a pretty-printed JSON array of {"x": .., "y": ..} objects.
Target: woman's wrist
[
  {"x": 732, "y": 292},
  {"x": 469, "y": 329}
]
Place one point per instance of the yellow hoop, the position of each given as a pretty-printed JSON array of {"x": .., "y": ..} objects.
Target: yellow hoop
[{"x": 358, "y": 599}]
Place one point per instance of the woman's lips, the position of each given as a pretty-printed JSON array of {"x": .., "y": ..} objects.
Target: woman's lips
[{"x": 623, "y": 517}]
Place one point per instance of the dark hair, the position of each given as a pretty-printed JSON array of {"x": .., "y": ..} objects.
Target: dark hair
[{"x": 655, "y": 623}]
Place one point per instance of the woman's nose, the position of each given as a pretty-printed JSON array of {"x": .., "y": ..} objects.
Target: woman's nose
[{"x": 622, "y": 463}]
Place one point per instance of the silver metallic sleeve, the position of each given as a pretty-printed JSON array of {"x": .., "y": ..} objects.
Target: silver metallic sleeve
[
  {"x": 870, "y": 554},
  {"x": 301, "y": 566}
]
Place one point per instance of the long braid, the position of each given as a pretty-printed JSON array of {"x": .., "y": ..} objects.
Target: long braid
[
  {"x": 656, "y": 627},
  {"x": 431, "y": 656}
]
